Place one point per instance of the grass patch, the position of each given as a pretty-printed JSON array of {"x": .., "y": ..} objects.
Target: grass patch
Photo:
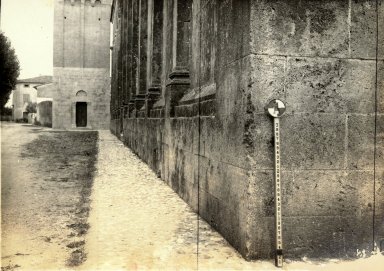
[
  {"x": 76, "y": 244},
  {"x": 67, "y": 162},
  {"x": 77, "y": 257},
  {"x": 80, "y": 228},
  {"x": 10, "y": 267}
]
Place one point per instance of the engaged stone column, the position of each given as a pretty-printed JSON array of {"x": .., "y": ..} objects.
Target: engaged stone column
[
  {"x": 129, "y": 38},
  {"x": 125, "y": 53},
  {"x": 119, "y": 61},
  {"x": 134, "y": 41},
  {"x": 143, "y": 37},
  {"x": 179, "y": 80},
  {"x": 155, "y": 44}
]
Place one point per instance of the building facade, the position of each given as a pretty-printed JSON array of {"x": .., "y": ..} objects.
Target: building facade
[
  {"x": 190, "y": 82},
  {"x": 24, "y": 94},
  {"x": 44, "y": 104},
  {"x": 81, "y": 64}
]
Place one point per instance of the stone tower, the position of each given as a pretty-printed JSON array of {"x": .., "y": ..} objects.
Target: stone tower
[{"x": 81, "y": 64}]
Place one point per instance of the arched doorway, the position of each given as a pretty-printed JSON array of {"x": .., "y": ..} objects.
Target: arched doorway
[{"x": 81, "y": 114}]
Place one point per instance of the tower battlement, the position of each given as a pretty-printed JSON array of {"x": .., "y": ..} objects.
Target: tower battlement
[{"x": 93, "y": 2}]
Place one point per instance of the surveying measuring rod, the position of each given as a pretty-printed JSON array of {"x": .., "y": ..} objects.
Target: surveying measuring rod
[{"x": 276, "y": 108}]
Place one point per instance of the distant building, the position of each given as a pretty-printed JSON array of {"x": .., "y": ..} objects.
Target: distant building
[
  {"x": 81, "y": 93},
  {"x": 25, "y": 93},
  {"x": 44, "y": 104}
]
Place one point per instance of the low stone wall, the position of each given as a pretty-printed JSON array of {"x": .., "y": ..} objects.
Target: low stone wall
[{"x": 44, "y": 113}]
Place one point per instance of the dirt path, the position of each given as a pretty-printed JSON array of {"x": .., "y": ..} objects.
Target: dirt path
[
  {"x": 136, "y": 219},
  {"x": 44, "y": 196},
  {"x": 138, "y": 222},
  {"x": 135, "y": 222}
]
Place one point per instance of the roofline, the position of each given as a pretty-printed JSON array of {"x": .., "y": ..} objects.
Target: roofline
[
  {"x": 31, "y": 82},
  {"x": 36, "y": 80},
  {"x": 35, "y": 87}
]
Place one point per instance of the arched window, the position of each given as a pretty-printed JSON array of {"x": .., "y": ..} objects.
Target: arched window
[{"x": 81, "y": 93}]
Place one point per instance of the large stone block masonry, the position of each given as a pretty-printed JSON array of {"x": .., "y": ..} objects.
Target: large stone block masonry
[{"x": 215, "y": 65}]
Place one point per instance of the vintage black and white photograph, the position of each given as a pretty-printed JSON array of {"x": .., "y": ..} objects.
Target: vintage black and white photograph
[{"x": 192, "y": 135}]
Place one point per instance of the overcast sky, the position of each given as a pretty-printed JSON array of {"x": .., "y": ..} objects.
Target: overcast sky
[{"x": 29, "y": 26}]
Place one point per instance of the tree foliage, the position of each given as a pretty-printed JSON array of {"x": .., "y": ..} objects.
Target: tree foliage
[
  {"x": 7, "y": 112},
  {"x": 31, "y": 107},
  {"x": 9, "y": 69}
]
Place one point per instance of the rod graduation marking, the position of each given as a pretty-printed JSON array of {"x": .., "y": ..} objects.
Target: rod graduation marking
[
  {"x": 278, "y": 226},
  {"x": 276, "y": 108}
]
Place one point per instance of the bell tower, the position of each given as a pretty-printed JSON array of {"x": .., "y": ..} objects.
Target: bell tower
[{"x": 81, "y": 64}]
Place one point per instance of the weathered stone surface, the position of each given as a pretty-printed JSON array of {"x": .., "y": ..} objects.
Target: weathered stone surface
[
  {"x": 225, "y": 218},
  {"x": 261, "y": 237},
  {"x": 233, "y": 31},
  {"x": 360, "y": 153},
  {"x": 363, "y": 29},
  {"x": 380, "y": 38},
  {"x": 271, "y": 21},
  {"x": 232, "y": 83},
  {"x": 326, "y": 206},
  {"x": 261, "y": 213},
  {"x": 327, "y": 236},
  {"x": 173, "y": 94},
  {"x": 202, "y": 108},
  {"x": 217, "y": 178},
  {"x": 211, "y": 140},
  {"x": 185, "y": 134},
  {"x": 379, "y": 207},
  {"x": 208, "y": 41},
  {"x": 379, "y": 193},
  {"x": 267, "y": 80},
  {"x": 263, "y": 186},
  {"x": 330, "y": 85},
  {"x": 113, "y": 125},
  {"x": 178, "y": 167},
  {"x": 328, "y": 193},
  {"x": 261, "y": 139},
  {"x": 219, "y": 146},
  {"x": 379, "y": 233},
  {"x": 313, "y": 141},
  {"x": 379, "y": 152},
  {"x": 232, "y": 115},
  {"x": 315, "y": 28},
  {"x": 379, "y": 184}
]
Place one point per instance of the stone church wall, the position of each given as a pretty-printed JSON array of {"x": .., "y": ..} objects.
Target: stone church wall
[
  {"x": 189, "y": 87},
  {"x": 325, "y": 60}
]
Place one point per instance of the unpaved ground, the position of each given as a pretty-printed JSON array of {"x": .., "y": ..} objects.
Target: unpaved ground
[
  {"x": 46, "y": 180},
  {"x": 138, "y": 222}
]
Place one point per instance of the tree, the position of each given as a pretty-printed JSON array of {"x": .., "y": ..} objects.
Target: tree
[
  {"x": 31, "y": 107},
  {"x": 9, "y": 69}
]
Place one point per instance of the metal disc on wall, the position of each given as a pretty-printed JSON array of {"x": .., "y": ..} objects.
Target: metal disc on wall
[{"x": 276, "y": 108}]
